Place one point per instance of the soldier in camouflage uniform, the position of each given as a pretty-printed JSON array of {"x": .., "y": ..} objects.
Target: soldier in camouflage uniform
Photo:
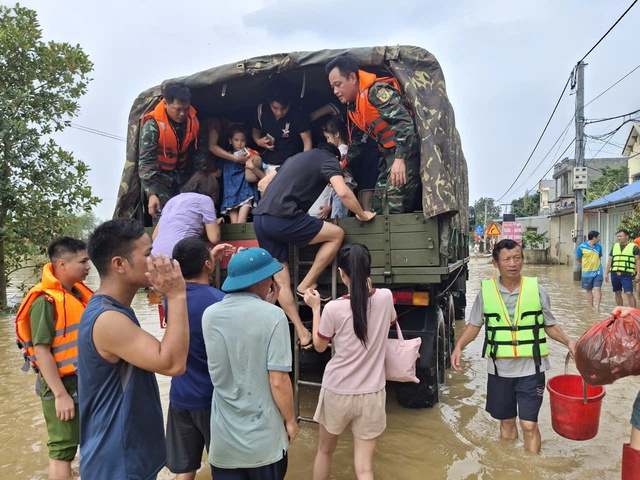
[
  {"x": 171, "y": 147},
  {"x": 376, "y": 107}
]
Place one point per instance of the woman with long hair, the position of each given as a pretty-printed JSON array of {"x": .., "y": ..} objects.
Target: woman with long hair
[
  {"x": 353, "y": 384},
  {"x": 192, "y": 213}
]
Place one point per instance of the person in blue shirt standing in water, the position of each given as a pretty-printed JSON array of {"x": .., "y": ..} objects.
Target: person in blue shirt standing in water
[
  {"x": 589, "y": 253},
  {"x": 188, "y": 428}
]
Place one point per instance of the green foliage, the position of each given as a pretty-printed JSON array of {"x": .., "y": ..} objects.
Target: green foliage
[
  {"x": 493, "y": 210},
  {"x": 527, "y": 206},
  {"x": 612, "y": 179},
  {"x": 631, "y": 222},
  {"x": 43, "y": 188},
  {"x": 534, "y": 240}
]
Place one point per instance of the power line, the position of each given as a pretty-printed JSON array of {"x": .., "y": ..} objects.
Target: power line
[
  {"x": 599, "y": 120},
  {"x": 98, "y": 132},
  {"x": 597, "y": 97},
  {"x": 562, "y": 94},
  {"x": 608, "y": 31},
  {"x": 612, "y": 132},
  {"x": 557, "y": 161},
  {"x": 539, "y": 139},
  {"x": 559, "y": 142}
]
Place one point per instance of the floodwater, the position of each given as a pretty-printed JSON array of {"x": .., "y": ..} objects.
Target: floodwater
[{"x": 456, "y": 440}]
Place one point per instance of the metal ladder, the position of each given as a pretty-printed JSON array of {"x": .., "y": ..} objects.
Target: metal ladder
[{"x": 297, "y": 382}]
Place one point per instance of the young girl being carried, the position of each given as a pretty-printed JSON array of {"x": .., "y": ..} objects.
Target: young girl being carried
[
  {"x": 353, "y": 384},
  {"x": 239, "y": 177}
]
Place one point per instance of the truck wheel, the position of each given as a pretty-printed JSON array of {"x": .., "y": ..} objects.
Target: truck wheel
[{"x": 430, "y": 371}]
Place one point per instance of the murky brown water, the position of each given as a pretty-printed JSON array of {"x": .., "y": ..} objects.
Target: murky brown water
[{"x": 456, "y": 440}]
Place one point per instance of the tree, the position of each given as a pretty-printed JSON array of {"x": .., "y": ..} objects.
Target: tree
[
  {"x": 527, "y": 206},
  {"x": 631, "y": 222},
  {"x": 493, "y": 210},
  {"x": 535, "y": 240},
  {"x": 42, "y": 187},
  {"x": 612, "y": 179}
]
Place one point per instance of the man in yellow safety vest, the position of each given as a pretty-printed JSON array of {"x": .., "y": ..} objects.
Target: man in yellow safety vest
[
  {"x": 516, "y": 312},
  {"x": 624, "y": 259}
]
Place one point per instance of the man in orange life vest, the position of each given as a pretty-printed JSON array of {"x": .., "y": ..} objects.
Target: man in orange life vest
[
  {"x": 47, "y": 328},
  {"x": 169, "y": 136},
  {"x": 375, "y": 106}
]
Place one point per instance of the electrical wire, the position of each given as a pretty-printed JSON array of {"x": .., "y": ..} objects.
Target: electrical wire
[
  {"x": 616, "y": 83},
  {"x": 562, "y": 94},
  {"x": 604, "y": 136},
  {"x": 599, "y": 120},
  {"x": 608, "y": 31},
  {"x": 557, "y": 161},
  {"x": 559, "y": 141},
  {"x": 539, "y": 139},
  {"x": 101, "y": 133}
]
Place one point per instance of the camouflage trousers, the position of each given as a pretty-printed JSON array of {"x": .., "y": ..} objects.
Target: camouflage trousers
[{"x": 400, "y": 199}]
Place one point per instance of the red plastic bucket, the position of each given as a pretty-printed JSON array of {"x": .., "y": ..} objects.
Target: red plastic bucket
[{"x": 575, "y": 407}]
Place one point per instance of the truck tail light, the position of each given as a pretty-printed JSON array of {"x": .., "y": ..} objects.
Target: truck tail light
[
  {"x": 162, "y": 315},
  {"x": 420, "y": 299}
]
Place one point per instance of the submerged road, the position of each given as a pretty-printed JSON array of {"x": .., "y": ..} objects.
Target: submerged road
[{"x": 456, "y": 440}]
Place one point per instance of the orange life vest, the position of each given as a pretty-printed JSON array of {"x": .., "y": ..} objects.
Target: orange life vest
[
  {"x": 366, "y": 116},
  {"x": 69, "y": 308},
  {"x": 172, "y": 153}
]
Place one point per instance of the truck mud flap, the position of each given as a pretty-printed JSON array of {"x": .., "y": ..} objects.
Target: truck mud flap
[{"x": 429, "y": 370}]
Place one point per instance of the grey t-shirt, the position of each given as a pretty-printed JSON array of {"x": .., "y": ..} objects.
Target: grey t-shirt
[
  {"x": 513, "y": 367},
  {"x": 245, "y": 338}
]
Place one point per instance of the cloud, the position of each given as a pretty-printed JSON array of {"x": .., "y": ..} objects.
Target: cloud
[{"x": 356, "y": 20}]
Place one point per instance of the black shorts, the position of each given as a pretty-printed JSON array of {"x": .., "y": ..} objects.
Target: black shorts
[
  {"x": 273, "y": 471},
  {"x": 515, "y": 397},
  {"x": 275, "y": 234},
  {"x": 188, "y": 432}
]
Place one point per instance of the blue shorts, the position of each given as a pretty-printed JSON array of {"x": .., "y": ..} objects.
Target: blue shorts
[
  {"x": 623, "y": 281},
  {"x": 275, "y": 234},
  {"x": 635, "y": 415},
  {"x": 515, "y": 397},
  {"x": 589, "y": 283}
]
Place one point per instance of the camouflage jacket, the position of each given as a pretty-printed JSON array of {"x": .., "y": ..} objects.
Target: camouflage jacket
[
  {"x": 163, "y": 182},
  {"x": 391, "y": 107}
]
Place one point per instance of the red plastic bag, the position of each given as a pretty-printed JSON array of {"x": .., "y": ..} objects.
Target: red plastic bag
[{"x": 610, "y": 350}]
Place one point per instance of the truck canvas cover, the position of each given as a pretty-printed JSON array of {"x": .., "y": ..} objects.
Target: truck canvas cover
[{"x": 238, "y": 87}]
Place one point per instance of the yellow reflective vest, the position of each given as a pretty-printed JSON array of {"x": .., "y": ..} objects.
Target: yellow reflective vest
[
  {"x": 522, "y": 336},
  {"x": 623, "y": 260}
]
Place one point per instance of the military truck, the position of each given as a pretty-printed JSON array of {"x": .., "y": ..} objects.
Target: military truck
[{"x": 422, "y": 256}]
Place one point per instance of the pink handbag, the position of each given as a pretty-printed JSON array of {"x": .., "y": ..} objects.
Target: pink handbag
[{"x": 400, "y": 358}]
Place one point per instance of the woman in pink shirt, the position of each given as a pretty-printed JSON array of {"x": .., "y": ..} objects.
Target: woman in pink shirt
[{"x": 353, "y": 384}]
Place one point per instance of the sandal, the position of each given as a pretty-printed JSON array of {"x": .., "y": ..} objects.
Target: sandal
[
  {"x": 325, "y": 295},
  {"x": 308, "y": 346}
]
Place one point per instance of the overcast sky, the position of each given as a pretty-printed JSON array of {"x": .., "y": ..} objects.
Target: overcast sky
[{"x": 505, "y": 63}]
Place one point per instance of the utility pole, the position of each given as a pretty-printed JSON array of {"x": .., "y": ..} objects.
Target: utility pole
[
  {"x": 486, "y": 225},
  {"x": 579, "y": 173}
]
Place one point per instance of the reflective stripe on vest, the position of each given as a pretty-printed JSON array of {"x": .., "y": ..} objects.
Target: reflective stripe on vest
[
  {"x": 68, "y": 310},
  {"x": 522, "y": 336},
  {"x": 366, "y": 116},
  {"x": 623, "y": 261}
]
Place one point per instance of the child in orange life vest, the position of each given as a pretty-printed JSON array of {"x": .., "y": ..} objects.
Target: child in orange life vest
[
  {"x": 47, "y": 324},
  {"x": 239, "y": 177}
]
